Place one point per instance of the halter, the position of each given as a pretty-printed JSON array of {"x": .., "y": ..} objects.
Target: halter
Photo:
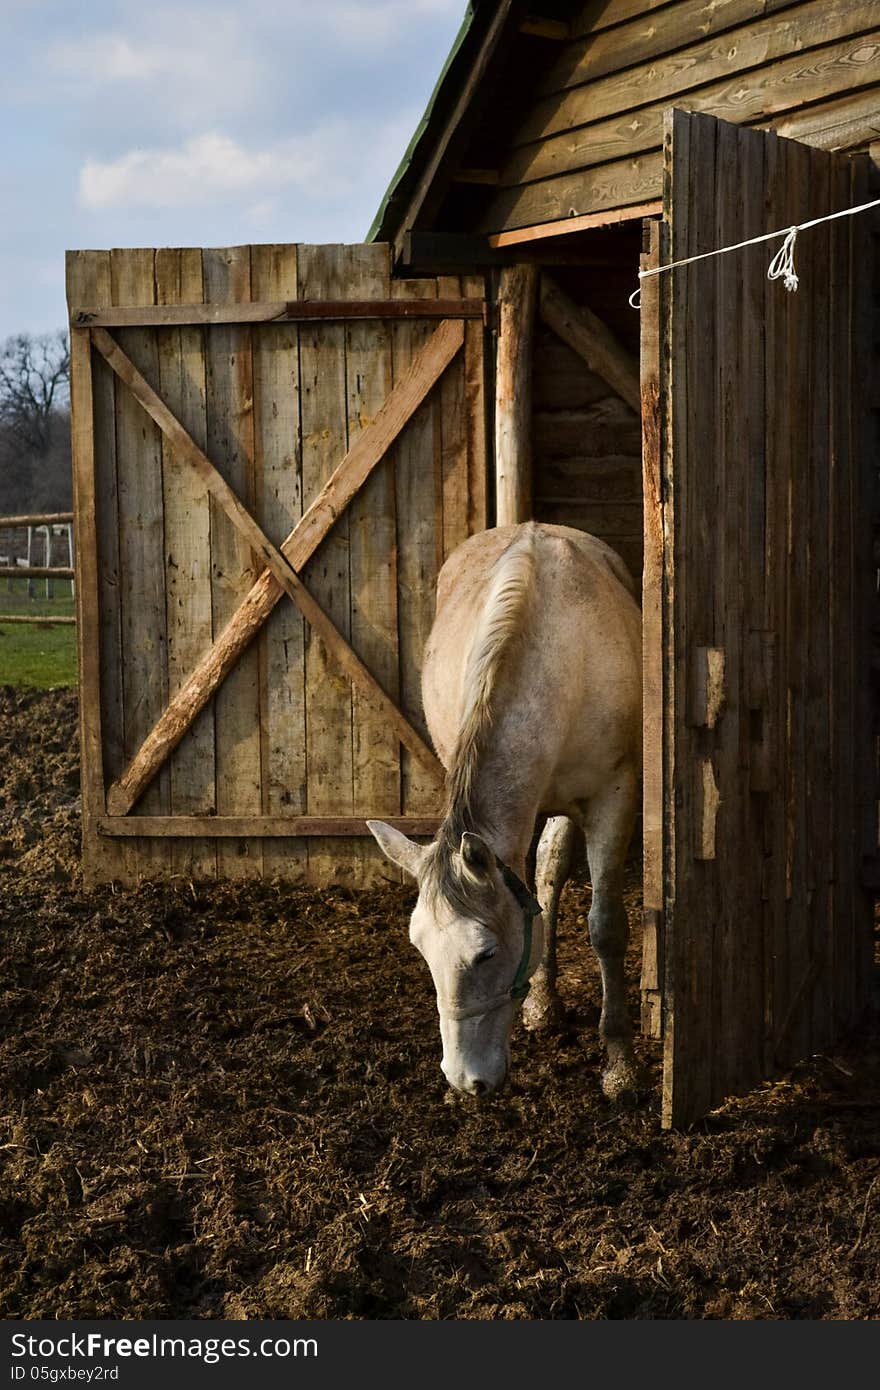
[{"x": 530, "y": 908}]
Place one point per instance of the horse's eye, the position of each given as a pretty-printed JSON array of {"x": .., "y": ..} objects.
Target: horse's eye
[{"x": 485, "y": 955}]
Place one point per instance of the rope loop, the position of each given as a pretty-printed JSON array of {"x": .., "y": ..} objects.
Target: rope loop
[{"x": 782, "y": 265}]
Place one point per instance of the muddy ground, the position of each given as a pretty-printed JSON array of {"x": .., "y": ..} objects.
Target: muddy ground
[{"x": 223, "y": 1101}]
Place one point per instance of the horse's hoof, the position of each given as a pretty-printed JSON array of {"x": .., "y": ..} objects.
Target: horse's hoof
[
  {"x": 543, "y": 1014},
  {"x": 623, "y": 1084}
]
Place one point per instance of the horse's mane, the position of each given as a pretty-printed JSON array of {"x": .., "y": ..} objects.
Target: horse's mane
[{"x": 503, "y": 616}]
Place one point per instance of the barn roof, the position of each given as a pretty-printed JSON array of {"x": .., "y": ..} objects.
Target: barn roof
[
  {"x": 453, "y": 76},
  {"x": 551, "y": 111}
]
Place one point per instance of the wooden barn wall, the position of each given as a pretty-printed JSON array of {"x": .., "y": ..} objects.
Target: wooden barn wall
[
  {"x": 275, "y": 406},
  {"x": 592, "y": 135},
  {"x": 586, "y": 441}
]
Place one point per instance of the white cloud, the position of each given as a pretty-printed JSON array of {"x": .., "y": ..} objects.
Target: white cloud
[
  {"x": 183, "y": 65},
  {"x": 322, "y": 164}
]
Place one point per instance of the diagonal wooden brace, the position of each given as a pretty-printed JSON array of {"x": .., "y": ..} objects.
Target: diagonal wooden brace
[{"x": 280, "y": 575}]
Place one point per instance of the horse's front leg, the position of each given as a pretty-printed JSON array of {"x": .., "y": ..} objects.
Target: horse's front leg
[
  {"x": 609, "y": 823},
  {"x": 543, "y": 1007}
]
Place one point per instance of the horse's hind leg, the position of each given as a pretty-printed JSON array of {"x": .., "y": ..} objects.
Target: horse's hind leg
[
  {"x": 543, "y": 1007},
  {"x": 608, "y": 823}
]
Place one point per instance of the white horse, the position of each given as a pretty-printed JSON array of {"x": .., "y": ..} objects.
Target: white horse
[{"x": 532, "y": 692}]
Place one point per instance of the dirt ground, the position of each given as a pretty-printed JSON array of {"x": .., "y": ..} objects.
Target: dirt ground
[{"x": 223, "y": 1101}]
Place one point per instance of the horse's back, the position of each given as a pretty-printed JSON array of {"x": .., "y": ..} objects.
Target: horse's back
[{"x": 579, "y": 639}]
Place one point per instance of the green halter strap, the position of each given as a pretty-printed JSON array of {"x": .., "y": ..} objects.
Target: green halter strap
[{"x": 531, "y": 909}]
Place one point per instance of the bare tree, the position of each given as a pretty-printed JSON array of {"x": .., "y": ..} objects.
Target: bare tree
[{"x": 34, "y": 386}]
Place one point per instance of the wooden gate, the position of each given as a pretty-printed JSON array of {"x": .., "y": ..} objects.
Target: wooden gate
[
  {"x": 760, "y": 488},
  {"x": 253, "y": 426}
]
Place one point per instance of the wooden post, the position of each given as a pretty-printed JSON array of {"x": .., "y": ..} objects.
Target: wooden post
[{"x": 517, "y": 297}]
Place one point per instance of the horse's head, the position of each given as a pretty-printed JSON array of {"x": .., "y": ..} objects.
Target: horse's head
[{"x": 473, "y": 925}]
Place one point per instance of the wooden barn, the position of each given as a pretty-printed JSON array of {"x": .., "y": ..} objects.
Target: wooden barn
[{"x": 275, "y": 448}]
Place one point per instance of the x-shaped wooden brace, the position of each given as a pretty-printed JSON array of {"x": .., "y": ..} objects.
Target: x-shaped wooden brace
[{"x": 282, "y": 565}]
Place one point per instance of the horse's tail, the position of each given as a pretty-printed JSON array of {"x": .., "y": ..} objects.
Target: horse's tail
[{"x": 504, "y": 614}]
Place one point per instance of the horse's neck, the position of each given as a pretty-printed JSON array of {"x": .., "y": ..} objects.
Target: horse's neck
[{"x": 504, "y": 797}]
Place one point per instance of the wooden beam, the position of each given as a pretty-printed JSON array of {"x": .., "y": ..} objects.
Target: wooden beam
[
  {"x": 517, "y": 298},
  {"x": 37, "y": 519},
  {"x": 296, "y": 311},
  {"x": 592, "y": 340},
  {"x": 46, "y": 620},
  {"x": 255, "y": 827},
  {"x": 565, "y": 225},
  {"x": 367, "y": 451},
  {"x": 540, "y": 28},
  {"x": 35, "y": 572}
]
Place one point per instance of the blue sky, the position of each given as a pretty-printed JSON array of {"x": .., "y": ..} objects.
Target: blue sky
[{"x": 200, "y": 124}]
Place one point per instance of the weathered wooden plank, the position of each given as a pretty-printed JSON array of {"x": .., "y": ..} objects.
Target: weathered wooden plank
[
  {"x": 88, "y": 586},
  {"x": 818, "y": 827},
  {"x": 277, "y": 439},
  {"x": 94, "y": 462},
  {"x": 598, "y": 52},
  {"x": 595, "y": 15},
  {"x": 454, "y": 450},
  {"x": 253, "y": 827},
  {"x": 843, "y": 675},
  {"x": 746, "y": 460},
  {"x": 613, "y": 479},
  {"x": 230, "y": 440},
  {"x": 850, "y": 121},
  {"x": 625, "y": 182},
  {"x": 419, "y": 495},
  {"x": 474, "y": 370},
  {"x": 284, "y": 311},
  {"x": 564, "y": 226},
  {"x": 799, "y": 622},
  {"x": 652, "y": 646},
  {"x": 777, "y": 467},
  {"x": 323, "y": 273},
  {"x": 373, "y": 567},
  {"x": 141, "y": 545},
  {"x": 754, "y": 57},
  {"x": 187, "y": 551},
  {"x": 606, "y": 520},
  {"x": 607, "y": 429},
  {"x": 517, "y": 302},
  {"x": 865, "y": 493}
]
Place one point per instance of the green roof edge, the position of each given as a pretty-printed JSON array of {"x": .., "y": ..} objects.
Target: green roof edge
[{"x": 407, "y": 160}]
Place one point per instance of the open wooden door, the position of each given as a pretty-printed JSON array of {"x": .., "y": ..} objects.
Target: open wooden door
[{"x": 760, "y": 795}]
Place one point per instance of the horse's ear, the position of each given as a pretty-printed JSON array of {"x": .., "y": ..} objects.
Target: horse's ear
[
  {"x": 396, "y": 847},
  {"x": 476, "y": 854}
]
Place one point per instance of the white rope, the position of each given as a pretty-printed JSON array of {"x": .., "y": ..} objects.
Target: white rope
[{"x": 782, "y": 265}]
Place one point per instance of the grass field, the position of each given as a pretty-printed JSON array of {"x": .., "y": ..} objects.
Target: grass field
[{"x": 41, "y": 655}]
